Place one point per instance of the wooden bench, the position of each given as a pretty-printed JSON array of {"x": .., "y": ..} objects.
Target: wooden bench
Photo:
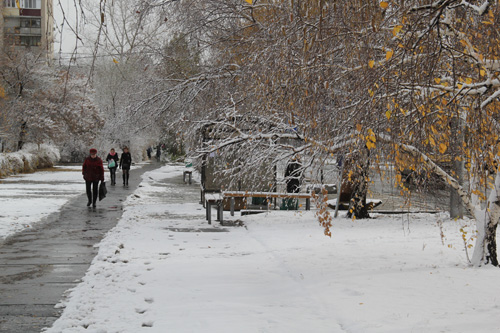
[
  {"x": 267, "y": 195},
  {"x": 213, "y": 199}
]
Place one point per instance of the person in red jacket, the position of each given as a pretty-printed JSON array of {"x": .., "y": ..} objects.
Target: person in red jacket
[{"x": 93, "y": 172}]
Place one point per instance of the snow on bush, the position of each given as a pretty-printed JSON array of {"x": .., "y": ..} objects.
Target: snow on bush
[{"x": 30, "y": 158}]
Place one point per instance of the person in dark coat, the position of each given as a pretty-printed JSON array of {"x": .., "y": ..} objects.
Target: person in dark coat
[
  {"x": 125, "y": 163},
  {"x": 292, "y": 176},
  {"x": 158, "y": 153},
  {"x": 93, "y": 172},
  {"x": 112, "y": 160}
]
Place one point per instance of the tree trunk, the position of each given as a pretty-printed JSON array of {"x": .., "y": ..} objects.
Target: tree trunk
[
  {"x": 485, "y": 249},
  {"x": 357, "y": 204},
  {"x": 458, "y": 166},
  {"x": 456, "y": 206},
  {"x": 22, "y": 136},
  {"x": 491, "y": 244}
]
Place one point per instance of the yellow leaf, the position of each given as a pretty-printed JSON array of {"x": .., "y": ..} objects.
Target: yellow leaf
[
  {"x": 397, "y": 29},
  {"x": 442, "y": 148},
  {"x": 2, "y": 92},
  {"x": 468, "y": 80},
  {"x": 389, "y": 54},
  {"x": 388, "y": 114},
  {"x": 437, "y": 80},
  {"x": 115, "y": 61},
  {"x": 431, "y": 139},
  {"x": 371, "y": 63},
  {"x": 482, "y": 72},
  {"x": 249, "y": 1},
  {"x": 384, "y": 4},
  {"x": 358, "y": 127}
]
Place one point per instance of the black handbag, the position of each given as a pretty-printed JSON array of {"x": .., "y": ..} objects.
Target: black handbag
[{"x": 102, "y": 191}]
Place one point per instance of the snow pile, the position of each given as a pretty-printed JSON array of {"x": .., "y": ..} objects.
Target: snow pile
[
  {"x": 163, "y": 269},
  {"x": 30, "y": 158}
]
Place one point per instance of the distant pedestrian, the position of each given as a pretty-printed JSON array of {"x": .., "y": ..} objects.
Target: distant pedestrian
[
  {"x": 158, "y": 153},
  {"x": 93, "y": 172},
  {"x": 293, "y": 175},
  {"x": 292, "y": 179},
  {"x": 112, "y": 160},
  {"x": 149, "y": 151},
  {"x": 125, "y": 163}
]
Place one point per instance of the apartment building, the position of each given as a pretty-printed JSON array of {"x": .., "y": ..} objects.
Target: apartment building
[{"x": 28, "y": 23}]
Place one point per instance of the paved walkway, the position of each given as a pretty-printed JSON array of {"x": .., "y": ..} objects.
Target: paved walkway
[{"x": 38, "y": 265}]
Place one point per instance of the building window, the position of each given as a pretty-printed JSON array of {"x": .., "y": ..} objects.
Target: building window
[
  {"x": 28, "y": 4},
  {"x": 10, "y": 3},
  {"x": 31, "y": 23},
  {"x": 31, "y": 40}
]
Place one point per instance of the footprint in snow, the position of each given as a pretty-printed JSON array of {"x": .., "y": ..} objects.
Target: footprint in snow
[
  {"x": 140, "y": 310},
  {"x": 147, "y": 324},
  {"x": 149, "y": 300}
]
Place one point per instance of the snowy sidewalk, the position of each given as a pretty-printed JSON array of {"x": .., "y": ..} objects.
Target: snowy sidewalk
[
  {"x": 164, "y": 269},
  {"x": 54, "y": 243}
]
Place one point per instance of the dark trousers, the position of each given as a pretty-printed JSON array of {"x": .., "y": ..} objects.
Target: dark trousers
[
  {"x": 125, "y": 176},
  {"x": 92, "y": 190},
  {"x": 112, "y": 173}
]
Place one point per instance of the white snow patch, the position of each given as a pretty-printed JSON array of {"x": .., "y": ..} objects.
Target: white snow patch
[{"x": 278, "y": 274}]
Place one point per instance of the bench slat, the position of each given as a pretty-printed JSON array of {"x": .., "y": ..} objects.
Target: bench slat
[{"x": 243, "y": 194}]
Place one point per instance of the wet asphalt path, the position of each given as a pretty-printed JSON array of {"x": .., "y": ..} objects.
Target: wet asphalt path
[{"x": 38, "y": 265}]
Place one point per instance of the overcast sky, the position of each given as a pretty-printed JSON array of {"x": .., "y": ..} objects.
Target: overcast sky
[{"x": 68, "y": 41}]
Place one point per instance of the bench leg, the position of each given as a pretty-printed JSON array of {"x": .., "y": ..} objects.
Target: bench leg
[
  {"x": 209, "y": 215},
  {"x": 232, "y": 206},
  {"x": 308, "y": 204},
  {"x": 220, "y": 210},
  {"x": 190, "y": 176}
]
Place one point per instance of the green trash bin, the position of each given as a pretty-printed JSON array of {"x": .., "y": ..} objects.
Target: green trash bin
[
  {"x": 259, "y": 201},
  {"x": 289, "y": 204}
]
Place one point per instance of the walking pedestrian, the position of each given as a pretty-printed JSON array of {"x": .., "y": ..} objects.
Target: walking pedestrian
[
  {"x": 293, "y": 174},
  {"x": 112, "y": 160},
  {"x": 93, "y": 172},
  {"x": 149, "y": 151},
  {"x": 158, "y": 153},
  {"x": 125, "y": 163}
]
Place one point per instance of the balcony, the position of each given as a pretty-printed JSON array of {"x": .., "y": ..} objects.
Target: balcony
[{"x": 30, "y": 31}]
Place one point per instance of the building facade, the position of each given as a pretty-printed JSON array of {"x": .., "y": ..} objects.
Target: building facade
[{"x": 28, "y": 23}]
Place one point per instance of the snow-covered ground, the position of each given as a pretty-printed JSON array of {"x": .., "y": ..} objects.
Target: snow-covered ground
[
  {"x": 27, "y": 199},
  {"x": 163, "y": 269}
]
